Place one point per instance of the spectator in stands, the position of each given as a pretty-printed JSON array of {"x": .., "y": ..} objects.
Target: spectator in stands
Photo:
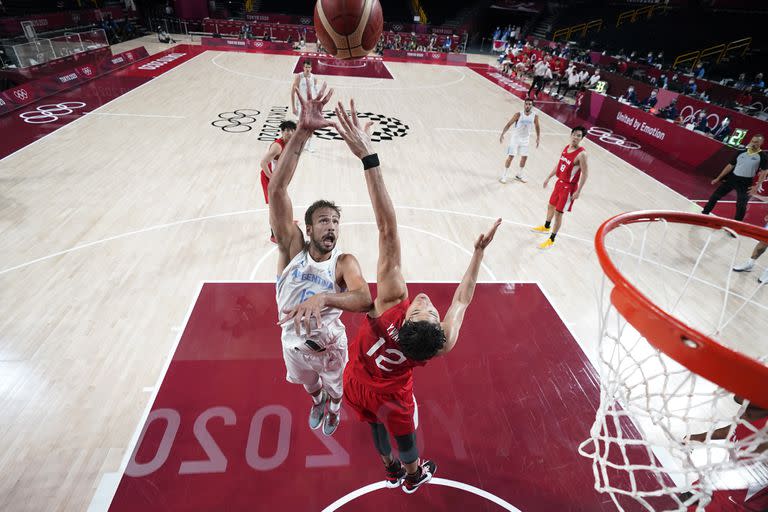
[
  {"x": 758, "y": 83},
  {"x": 699, "y": 72},
  {"x": 664, "y": 81},
  {"x": 741, "y": 82},
  {"x": 432, "y": 43},
  {"x": 649, "y": 58},
  {"x": 723, "y": 130},
  {"x": 690, "y": 89},
  {"x": 622, "y": 67},
  {"x": 163, "y": 36},
  {"x": 700, "y": 123},
  {"x": 447, "y": 44},
  {"x": 630, "y": 96},
  {"x": 670, "y": 111},
  {"x": 594, "y": 79},
  {"x": 660, "y": 59},
  {"x": 129, "y": 31},
  {"x": 497, "y": 34},
  {"x": 245, "y": 31},
  {"x": 168, "y": 8},
  {"x": 651, "y": 101},
  {"x": 583, "y": 76},
  {"x": 267, "y": 37}
]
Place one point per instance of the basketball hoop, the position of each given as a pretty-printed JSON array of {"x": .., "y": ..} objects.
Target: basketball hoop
[{"x": 681, "y": 336}]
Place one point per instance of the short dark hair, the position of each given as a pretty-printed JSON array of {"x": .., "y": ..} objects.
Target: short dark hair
[
  {"x": 580, "y": 129},
  {"x": 322, "y": 203},
  {"x": 307, "y": 61},
  {"x": 287, "y": 125},
  {"x": 421, "y": 340},
  {"x": 529, "y": 99}
]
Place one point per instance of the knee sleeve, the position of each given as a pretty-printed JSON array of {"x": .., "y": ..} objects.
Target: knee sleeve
[
  {"x": 381, "y": 439},
  {"x": 406, "y": 445}
]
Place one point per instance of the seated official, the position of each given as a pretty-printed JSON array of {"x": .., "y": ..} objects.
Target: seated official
[
  {"x": 651, "y": 101},
  {"x": 722, "y": 131}
]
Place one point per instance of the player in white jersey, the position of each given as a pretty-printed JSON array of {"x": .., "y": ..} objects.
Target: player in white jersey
[
  {"x": 315, "y": 281},
  {"x": 302, "y": 83},
  {"x": 520, "y": 138}
]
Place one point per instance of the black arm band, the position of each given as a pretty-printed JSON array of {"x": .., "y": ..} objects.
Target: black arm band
[{"x": 370, "y": 161}]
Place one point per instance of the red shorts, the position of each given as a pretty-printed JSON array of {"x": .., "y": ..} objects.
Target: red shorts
[
  {"x": 562, "y": 196},
  {"x": 397, "y": 411},
  {"x": 265, "y": 186}
]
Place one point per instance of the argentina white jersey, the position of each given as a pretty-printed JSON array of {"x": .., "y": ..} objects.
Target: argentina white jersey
[{"x": 302, "y": 278}]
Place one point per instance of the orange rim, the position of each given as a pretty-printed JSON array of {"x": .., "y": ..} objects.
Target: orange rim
[{"x": 699, "y": 353}]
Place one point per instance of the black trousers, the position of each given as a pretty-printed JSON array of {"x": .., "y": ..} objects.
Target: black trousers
[
  {"x": 731, "y": 182},
  {"x": 538, "y": 84}
]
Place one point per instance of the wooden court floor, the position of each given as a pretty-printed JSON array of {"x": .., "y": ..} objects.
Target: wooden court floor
[{"x": 108, "y": 227}]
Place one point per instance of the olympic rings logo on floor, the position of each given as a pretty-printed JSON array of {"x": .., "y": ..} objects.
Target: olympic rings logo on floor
[
  {"x": 50, "y": 113},
  {"x": 238, "y": 121},
  {"x": 606, "y": 135}
]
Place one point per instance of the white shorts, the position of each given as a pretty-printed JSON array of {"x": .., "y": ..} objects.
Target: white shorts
[
  {"x": 305, "y": 367},
  {"x": 517, "y": 148}
]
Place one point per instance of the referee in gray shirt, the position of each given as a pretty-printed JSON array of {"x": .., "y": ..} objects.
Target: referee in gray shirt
[{"x": 739, "y": 174}]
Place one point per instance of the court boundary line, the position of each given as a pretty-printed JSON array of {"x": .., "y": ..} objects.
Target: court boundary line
[
  {"x": 148, "y": 408},
  {"x": 151, "y": 80},
  {"x": 357, "y": 86},
  {"x": 415, "y": 208}
]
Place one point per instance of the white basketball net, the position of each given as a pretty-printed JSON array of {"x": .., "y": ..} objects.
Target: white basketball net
[{"x": 650, "y": 406}]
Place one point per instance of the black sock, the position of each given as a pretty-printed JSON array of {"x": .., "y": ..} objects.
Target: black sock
[
  {"x": 547, "y": 224},
  {"x": 552, "y": 236}
]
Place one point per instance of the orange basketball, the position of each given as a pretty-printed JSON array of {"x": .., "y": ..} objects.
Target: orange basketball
[{"x": 348, "y": 29}]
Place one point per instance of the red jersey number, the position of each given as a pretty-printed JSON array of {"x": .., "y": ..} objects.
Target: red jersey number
[{"x": 380, "y": 359}]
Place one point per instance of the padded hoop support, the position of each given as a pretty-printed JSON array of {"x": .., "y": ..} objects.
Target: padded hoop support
[{"x": 699, "y": 353}]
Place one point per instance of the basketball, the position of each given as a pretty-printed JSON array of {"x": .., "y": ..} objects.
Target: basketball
[{"x": 348, "y": 29}]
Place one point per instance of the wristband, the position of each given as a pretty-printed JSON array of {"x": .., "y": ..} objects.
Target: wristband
[{"x": 370, "y": 161}]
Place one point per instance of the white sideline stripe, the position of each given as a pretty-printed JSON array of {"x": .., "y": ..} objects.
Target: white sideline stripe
[
  {"x": 151, "y": 80},
  {"x": 484, "y": 130},
  {"x": 435, "y": 481},
  {"x": 93, "y": 112},
  {"x": 104, "y": 492}
]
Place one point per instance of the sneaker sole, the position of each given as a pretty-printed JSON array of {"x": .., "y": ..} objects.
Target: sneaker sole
[
  {"x": 393, "y": 485},
  {"x": 742, "y": 270},
  {"x": 411, "y": 491},
  {"x": 541, "y": 232}
]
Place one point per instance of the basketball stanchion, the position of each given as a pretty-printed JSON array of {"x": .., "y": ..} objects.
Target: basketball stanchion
[{"x": 682, "y": 362}]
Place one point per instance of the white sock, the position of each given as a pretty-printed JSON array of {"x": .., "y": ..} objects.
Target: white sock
[
  {"x": 334, "y": 406},
  {"x": 318, "y": 399},
  {"x": 505, "y": 173},
  {"x": 752, "y": 261}
]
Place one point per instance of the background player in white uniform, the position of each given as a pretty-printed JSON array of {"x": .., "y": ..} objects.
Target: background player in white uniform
[
  {"x": 315, "y": 281},
  {"x": 520, "y": 138},
  {"x": 303, "y": 82}
]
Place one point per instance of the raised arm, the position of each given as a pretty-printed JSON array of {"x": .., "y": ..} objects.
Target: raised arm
[
  {"x": 465, "y": 291},
  {"x": 391, "y": 287},
  {"x": 508, "y": 126},
  {"x": 289, "y": 239}
]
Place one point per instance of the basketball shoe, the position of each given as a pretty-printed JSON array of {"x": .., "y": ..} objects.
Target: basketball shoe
[
  {"x": 503, "y": 179},
  {"x": 395, "y": 474},
  {"x": 544, "y": 230},
  {"x": 332, "y": 420},
  {"x": 317, "y": 412},
  {"x": 424, "y": 474},
  {"x": 763, "y": 279},
  {"x": 547, "y": 244},
  {"x": 747, "y": 266},
  {"x": 521, "y": 177}
]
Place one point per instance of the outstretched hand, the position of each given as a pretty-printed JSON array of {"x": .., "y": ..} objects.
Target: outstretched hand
[
  {"x": 311, "y": 117},
  {"x": 302, "y": 313},
  {"x": 484, "y": 241},
  {"x": 357, "y": 138}
]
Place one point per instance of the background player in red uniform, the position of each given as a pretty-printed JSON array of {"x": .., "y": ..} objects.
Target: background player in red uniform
[
  {"x": 397, "y": 334},
  {"x": 571, "y": 170},
  {"x": 269, "y": 162}
]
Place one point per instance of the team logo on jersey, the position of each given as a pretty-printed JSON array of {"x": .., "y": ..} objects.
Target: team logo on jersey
[{"x": 237, "y": 121}]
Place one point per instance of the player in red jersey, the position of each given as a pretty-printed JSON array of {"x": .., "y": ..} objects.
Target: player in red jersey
[
  {"x": 269, "y": 162},
  {"x": 398, "y": 334},
  {"x": 572, "y": 172}
]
